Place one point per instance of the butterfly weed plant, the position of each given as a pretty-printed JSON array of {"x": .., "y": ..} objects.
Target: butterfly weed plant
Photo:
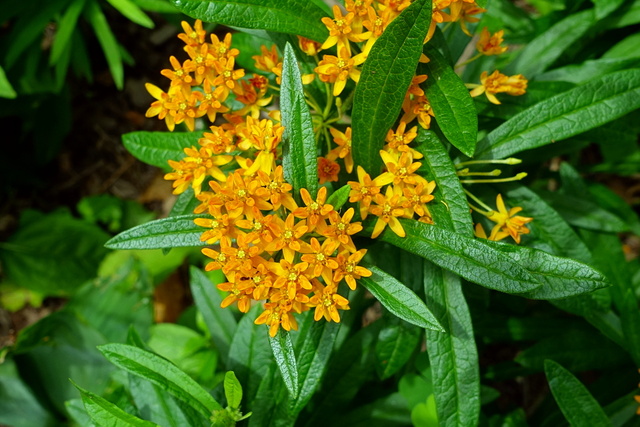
[{"x": 367, "y": 185}]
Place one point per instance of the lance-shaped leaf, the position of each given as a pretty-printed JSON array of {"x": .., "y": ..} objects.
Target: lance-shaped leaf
[
  {"x": 103, "y": 412},
  {"x": 313, "y": 355},
  {"x": 544, "y": 50},
  {"x": 452, "y": 105},
  {"x": 285, "y": 16},
  {"x": 399, "y": 299},
  {"x": 162, "y": 373},
  {"x": 299, "y": 154},
  {"x": 286, "y": 360},
  {"x": 451, "y": 209},
  {"x": 173, "y": 232},
  {"x": 157, "y": 148},
  {"x": 339, "y": 197},
  {"x": 468, "y": 257},
  {"x": 396, "y": 344},
  {"x": 385, "y": 78},
  {"x": 569, "y": 113},
  {"x": 220, "y": 322},
  {"x": 576, "y": 403},
  {"x": 452, "y": 354},
  {"x": 560, "y": 277}
]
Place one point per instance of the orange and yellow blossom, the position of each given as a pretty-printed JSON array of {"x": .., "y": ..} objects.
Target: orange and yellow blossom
[
  {"x": 336, "y": 70},
  {"x": 240, "y": 291},
  {"x": 341, "y": 30},
  {"x": 463, "y": 12},
  {"x": 327, "y": 170},
  {"x": 416, "y": 198},
  {"x": 417, "y": 107},
  {"x": 489, "y": 44},
  {"x": 507, "y": 224},
  {"x": 498, "y": 83},
  {"x": 253, "y": 96},
  {"x": 315, "y": 211},
  {"x": 388, "y": 209},
  {"x": 193, "y": 169},
  {"x": 308, "y": 46},
  {"x": 275, "y": 316},
  {"x": 327, "y": 302},
  {"x": 400, "y": 169},
  {"x": 348, "y": 268},
  {"x": 343, "y": 150},
  {"x": 268, "y": 60},
  {"x": 376, "y": 22},
  {"x": 400, "y": 139},
  {"x": 192, "y": 36},
  {"x": 340, "y": 229},
  {"x": 320, "y": 257},
  {"x": 364, "y": 190}
]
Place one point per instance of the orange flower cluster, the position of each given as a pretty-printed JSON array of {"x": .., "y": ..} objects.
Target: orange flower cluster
[
  {"x": 293, "y": 258},
  {"x": 507, "y": 223},
  {"x": 406, "y": 194},
  {"x": 201, "y": 84}
]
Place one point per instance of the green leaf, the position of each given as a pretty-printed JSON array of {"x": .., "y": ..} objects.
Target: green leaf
[
  {"x": 232, "y": 390},
  {"x": 470, "y": 258},
  {"x": 54, "y": 253},
  {"x": 6, "y": 90},
  {"x": 249, "y": 356},
  {"x": 162, "y": 373},
  {"x": 450, "y": 209},
  {"x": 627, "y": 48},
  {"x": 576, "y": 403},
  {"x": 103, "y": 412},
  {"x": 299, "y": 153},
  {"x": 452, "y": 354},
  {"x": 397, "y": 342},
  {"x": 286, "y": 360},
  {"x": 160, "y": 6},
  {"x": 543, "y": 51},
  {"x": 156, "y": 405},
  {"x": 588, "y": 70},
  {"x": 220, "y": 322},
  {"x": 560, "y": 277},
  {"x": 157, "y": 148},
  {"x": 339, "y": 197},
  {"x": 452, "y": 105},
  {"x": 605, "y": 7},
  {"x": 66, "y": 26},
  {"x": 285, "y": 16},
  {"x": 399, "y": 300},
  {"x": 570, "y": 113},
  {"x": 313, "y": 355},
  {"x": 386, "y": 76},
  {"x": 173, "y": 232},
  {"x": 132, "y": 12},
  {"x": 107, "y": 40}
]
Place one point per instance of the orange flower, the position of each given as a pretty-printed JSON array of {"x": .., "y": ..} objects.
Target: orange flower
[
  {"x": 400, "y": 140},
  {"x": 180, "y": 76},
  {"x": 193, "y": 169},
  {"x": 418, "y": 107},
  {"x": 489, "y": 44},
  {"x": 319, "y": 257},
  {"x": 287, "y": 236},
  {"x": 498, "y": 83},
  {"x": 506, "y": 223},
  {"x": 340, "y": 30},
  {"x": 387, "y": 208},
  {"x": 340, "y": 229},
  {"x": 315, "y": 210},
  {"x": 192, "y": 36},
  {"x": 290, "y": 276},
  {"x": 343, "y": 150},
  {"x": 227, "y": 75},
  {"x": 400, "y": 170},
  {"x": 463, "y": 12},
  {"x": 268, "y": 60},
  {"x": 336, "y": 70},
  {"x": 240, "y": 291},
  {"x": 308, "y": 46},
  {"x": 349, "y": 269},
  {"x": 276, "y": 315},
  {"x": 217, "y": 228},
  {"x": 276, "y": 189},
  {"x": 327, "y": 170},
  {"x": 212, "y": 101},
  {"x": 417, "y": 197},
  {"x": 222, "y": 48},
  {"x": 253, "y": 96},
  {"x": 364, "y": 190},
  {"x": 327, "y": 302}
]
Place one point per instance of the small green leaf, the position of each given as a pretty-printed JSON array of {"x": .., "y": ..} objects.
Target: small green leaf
[
  {"x": 6, "y": 90},
  {"x": 107, "y": 40},
  {"x": 285, "y": 16},
  {"x": 132, "y": 12},
  {"x": 286, "y": 360},
  {"x": 339, "y": 197},
  {"x": 604, "y": 8},
  {"x": 569, "y": 113},
  {"x": 66, "y": 26},
  {"x": 399, "y": 300},
  {"x": 220, "y": 322},
  {"x": 545, "y": 49},
  {"x": 299, "y": 153},
  {"x": 452, "y": 105},
  {"x": 470, "y": 258},
  {"x": 103, "y": 412},
  {"x": 232, "y": 390},
  {"x": 386, "y": 76},
  {"x": 173, "y": 232},
  {"x": 453, "y": 354},
  {"x": 157, "y": 148},
  {"x": 156, "y": 405},
  {"x": 576, "y": 403},
  {"x": 162, "y": 373}
]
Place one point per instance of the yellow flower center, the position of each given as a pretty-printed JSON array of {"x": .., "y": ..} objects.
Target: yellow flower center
[
  {"x": 320, "y": 257},
  {"x": 341, "y": 63},
  {"x": 241, "y": 254},
  {"x": 342, "y": 226},
  {"x": 288, "y": 234},
  {"x": 227, "y": 74},
  {"x": 179, "y": 73},
  {"x": 314, "y": 206},
  {"x": 350, "y": 267},
  {"x": 292, "y": 276},
  {"x": 242, "y": 193},
  {"x": 257, "y": 226},
  {"x": 257, "y": 279}
]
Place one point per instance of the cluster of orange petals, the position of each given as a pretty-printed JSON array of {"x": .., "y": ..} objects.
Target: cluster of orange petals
[
  {"x": 496, "y": 82},
  {"x": 507, "y": 223}
]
